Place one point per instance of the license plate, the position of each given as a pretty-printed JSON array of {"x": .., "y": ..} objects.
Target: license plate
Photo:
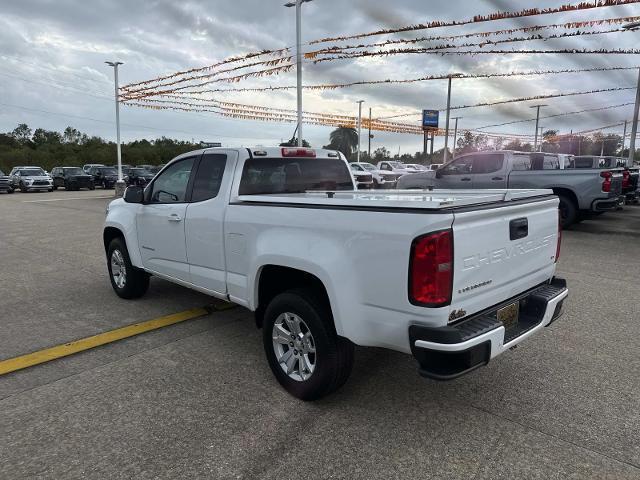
[{"x": 509, "y": 315}]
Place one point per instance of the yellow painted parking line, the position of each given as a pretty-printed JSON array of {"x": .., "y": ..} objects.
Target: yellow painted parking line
[{"x": 59, "y": 351}]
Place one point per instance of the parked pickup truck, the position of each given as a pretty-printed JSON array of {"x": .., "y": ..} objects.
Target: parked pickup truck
[
  {"x": 455, "y": 278},
  {"x": 580, "y": 192},
  {"x": 5, "y": 186},
  {"x": 630, "y": 173}
]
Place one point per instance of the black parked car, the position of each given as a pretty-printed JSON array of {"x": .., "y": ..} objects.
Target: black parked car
[
  {"x": 106, "y": 177},
  {"x": 71, "y": 178},
  {"x": 138, "y": 176}
]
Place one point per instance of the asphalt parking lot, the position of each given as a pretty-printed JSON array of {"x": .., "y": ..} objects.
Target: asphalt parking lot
[{"x": 197, "y": 399}]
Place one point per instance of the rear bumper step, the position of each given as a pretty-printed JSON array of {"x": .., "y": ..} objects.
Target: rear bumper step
[{"x": 445, "y": 353}]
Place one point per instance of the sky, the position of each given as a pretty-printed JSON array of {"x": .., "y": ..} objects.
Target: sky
[{"x": 53, "y": 75}]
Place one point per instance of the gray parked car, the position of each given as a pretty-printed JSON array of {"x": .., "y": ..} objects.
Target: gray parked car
[
  {"x": 581, "y": 192},
  {"x": 4, "y": 183}
]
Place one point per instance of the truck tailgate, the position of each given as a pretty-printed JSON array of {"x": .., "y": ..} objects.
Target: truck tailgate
[{"x": 502, "y": 252}]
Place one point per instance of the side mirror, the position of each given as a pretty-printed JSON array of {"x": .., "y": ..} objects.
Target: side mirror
[
  {"x": 438, "y": 173},
  {"x": 134, "y": 194}
]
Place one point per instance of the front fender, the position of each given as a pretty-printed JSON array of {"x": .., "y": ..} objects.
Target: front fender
[{"x": 122, "y": 216}]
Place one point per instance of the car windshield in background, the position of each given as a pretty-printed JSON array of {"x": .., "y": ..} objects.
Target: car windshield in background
[
  {"x": 368, "y": 166},
  {"x": 32, "y": 172},
  {"x": 396, "y": 164},
  {"x": 74, "y": 171},
  {"x": 138, "y": 171},
  {"x": 293, "y": 175},
  {"x": 108, "y": 171}
]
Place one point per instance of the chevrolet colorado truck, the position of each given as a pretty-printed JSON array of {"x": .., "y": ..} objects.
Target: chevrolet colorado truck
[
  {"x": 581, "y": 192},
  {"x": 453, "y": 278}
]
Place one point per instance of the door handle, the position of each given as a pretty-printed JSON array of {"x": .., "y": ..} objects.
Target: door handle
[
  {"x": 465, "y": 179},
  {"x": 174, "y": 217},
  {"x": 497, "y": 178}
]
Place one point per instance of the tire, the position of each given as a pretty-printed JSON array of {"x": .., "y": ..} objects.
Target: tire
[
  {"x": 135, "y": 282},
  {"x": 10, "y": 190},
  {"x": 23, "y": 188},
  {"x": 92, "y": 186},
  {"x": 568, "y": 211},
  {"x": 50, "y": 190},
  {"x": 329, "y": 356},
  {"x": 55, "y": 187}
]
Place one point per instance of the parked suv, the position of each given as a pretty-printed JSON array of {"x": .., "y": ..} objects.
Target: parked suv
[
  {"x": 4, "y": 183},
  {"x": 106, "y": 177},
  {"x": 364, "y": 179},
  {"x": 71, "y": 178},
  {"x": 30, "y": 178},
  {"x": 138, "y": 176}
]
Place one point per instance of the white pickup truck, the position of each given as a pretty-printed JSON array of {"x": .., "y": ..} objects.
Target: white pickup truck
[{"x": 453, "y": 277}]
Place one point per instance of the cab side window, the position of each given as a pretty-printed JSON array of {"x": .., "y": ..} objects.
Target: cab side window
[
  {"x": 208, "y": 179},
  {"x": 487, "y": 163},
  {"x": 460, "y": 166},
  {"x": 171, "y": 185}
]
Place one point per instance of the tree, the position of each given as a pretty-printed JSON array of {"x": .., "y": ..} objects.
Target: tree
[
  {"x": 43, "y": 137},
  {"x": 22, "y": 134},
  {"x": 344, "y": 139},
  {"x": 294, "y": 143},
  {"x": 71, "y": 136},
  {"x": 380, "y": 154}
]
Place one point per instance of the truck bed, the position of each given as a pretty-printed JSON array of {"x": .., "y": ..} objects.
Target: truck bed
[{"x": 436, "y": 199}]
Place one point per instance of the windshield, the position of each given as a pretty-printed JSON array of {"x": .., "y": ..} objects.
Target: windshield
[
  {"x": 368, "y": 166},
  {"x": 293, "y": 175},
  {"x": 396, "y": 164},
  {"x": 108, "y": 171},
  {"x": 73, "y": 171},
  {"x": 32, "y": 172},
  {"x": 138, "y": 171}
]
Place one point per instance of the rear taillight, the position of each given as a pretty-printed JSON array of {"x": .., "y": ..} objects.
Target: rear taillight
[
  {"x": 559, "y": 236},
  {"x": 626, "y": 178},
  {"x": 298, "y": 152},
  {"x": 431, "y": 269},
  {"x": 606, "y": 184}
]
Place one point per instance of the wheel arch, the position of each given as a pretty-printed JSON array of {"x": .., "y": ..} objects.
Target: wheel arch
[
  {"x": 273, "y": 279},
  {"x": 567, "y": 192}
]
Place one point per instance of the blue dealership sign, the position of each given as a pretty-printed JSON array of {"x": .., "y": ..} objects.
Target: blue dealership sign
[{"x": 430, "y": 119}]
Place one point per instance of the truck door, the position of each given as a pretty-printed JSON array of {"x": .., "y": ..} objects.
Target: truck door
[
  {"x": 489, "y": 170},
  {"x": 160, "y": 221},
  {"x": 456, "y": 174},
  {"x": 205, "y": 220}
]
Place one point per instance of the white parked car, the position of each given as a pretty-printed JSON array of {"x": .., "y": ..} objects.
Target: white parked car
[
  {"x": 455, "y": 278},
  {"x": 381, "y": 178},
  {"x": 415, "y": 167}
]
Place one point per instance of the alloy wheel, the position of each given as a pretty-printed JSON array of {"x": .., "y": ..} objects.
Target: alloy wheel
[{"x": 294, "y": 346}]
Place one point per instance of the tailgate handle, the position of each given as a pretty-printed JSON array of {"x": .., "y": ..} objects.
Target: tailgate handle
[{"x": 518, "y": 228}]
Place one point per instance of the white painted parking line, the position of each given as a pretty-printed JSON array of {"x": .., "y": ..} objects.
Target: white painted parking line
[{"x": 64, "y": 199}]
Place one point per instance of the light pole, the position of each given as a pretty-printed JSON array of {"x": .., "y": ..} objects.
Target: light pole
[
  {"x": 624, "y": 138},
  {"x": 537, "y": 107},
  {"x": 634, "y": 125},
  {"x": 455, "y": 135},
  {"x": 120, "y": 185},
  {"x": 298, "y": 5},
  {"x": 369, "y": 150},
  {"x": 360, "y": 102},
  {"x": 446, "y": 134}
]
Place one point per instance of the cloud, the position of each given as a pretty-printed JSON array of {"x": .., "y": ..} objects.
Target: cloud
[{"x": 53, "y": 54}]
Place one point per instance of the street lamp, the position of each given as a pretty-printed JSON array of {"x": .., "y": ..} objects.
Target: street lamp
[
  {"x": 120, "y": 185},
  {"x": 537, "y": 107},
  {"x": 634, "y": 125},
  {"x": 360, "y": 102},
  {"x": 446, "y": 134},
  {"x": 298, "y": 5}
]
